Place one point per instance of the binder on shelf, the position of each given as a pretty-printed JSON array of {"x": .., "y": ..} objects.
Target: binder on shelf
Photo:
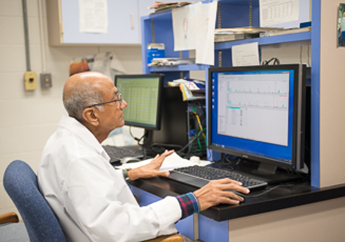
[
  {"x": 237, "y": 36},
  {"x": 163, "y": 6},
  {"x": 171, "y": 61},
  {"x": 191, "y": 89},
  {"x": 229, "y": 34},
  {"x": 247, "y": 30},
  {"x": 286, "y": 31}
]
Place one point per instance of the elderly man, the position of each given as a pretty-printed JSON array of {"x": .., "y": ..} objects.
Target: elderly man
[{"x": 90, "y": 198}]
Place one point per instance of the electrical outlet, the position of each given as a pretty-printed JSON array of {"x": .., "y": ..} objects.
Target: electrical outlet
[
  {"x": 46, "y": 80},
  {"x": 30, "y": 80}
]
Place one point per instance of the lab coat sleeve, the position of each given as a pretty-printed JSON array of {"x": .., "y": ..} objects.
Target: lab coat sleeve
[{"x": 101, "y": 203}]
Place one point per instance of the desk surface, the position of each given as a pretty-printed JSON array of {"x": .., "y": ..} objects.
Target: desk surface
[{"x": 284, "y": 196}]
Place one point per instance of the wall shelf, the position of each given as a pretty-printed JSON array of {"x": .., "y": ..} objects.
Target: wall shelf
[
  {"x": 178, "y": 68},
  {"x": 271, "y": 40}
]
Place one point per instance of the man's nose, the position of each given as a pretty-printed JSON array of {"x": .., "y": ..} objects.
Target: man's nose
[{"x": 124, "y": 104}]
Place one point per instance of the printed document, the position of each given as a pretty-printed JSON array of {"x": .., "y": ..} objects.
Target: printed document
[
  {"x": 245, "y": 55},
  {"x": 206, "y": 13},
  {"x": 274, "y": 12},
  {"x": 171, "y": 162},
  {"x": 194, "y": 27},
  {"x": 93, "y": 16},
  {"x": 184, "y": 20}
]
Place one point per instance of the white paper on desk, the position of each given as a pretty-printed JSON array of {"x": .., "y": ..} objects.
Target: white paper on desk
[
  {"x": 184, "y": 27},
  {"x": 206, "y": 19},
  {"x": 274, "y": 12},
  {"x": 171, "y": 162},
  {"x": 245, "y": 55},
  {"x": 93, "y": 16}
]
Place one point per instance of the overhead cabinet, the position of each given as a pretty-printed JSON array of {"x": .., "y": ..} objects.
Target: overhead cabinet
[{"x": 64, "y": 23}]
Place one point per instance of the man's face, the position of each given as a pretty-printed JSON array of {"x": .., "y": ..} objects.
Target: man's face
[{"x": 112, "y": 115}]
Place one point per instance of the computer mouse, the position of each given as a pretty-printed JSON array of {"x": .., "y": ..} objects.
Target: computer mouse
[{"x": 129, "y": 160}]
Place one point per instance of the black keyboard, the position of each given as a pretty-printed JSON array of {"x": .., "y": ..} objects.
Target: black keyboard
[
  {"x": 117, "y": 153},
  {"x": 199, "y": 176}
]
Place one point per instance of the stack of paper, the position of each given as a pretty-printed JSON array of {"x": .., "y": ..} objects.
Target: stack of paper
[
  {"x": 229, "y": 34},
  {"x": 163, "y": 6},
  {"x": 191, "y": 89},
  {"x": 188, "y": 95},
  {"x": 171, "y": 162},
  {"x": 246, "y": 30},
  {"x": 171, "y": 61},
  {"x": 285, "y": 31},
  {"x": 234, "y": 36}
]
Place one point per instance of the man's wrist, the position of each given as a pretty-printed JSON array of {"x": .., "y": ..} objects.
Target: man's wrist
[
  {"x": 125, "y": 174},
  {"x": 189, "y": 204}
]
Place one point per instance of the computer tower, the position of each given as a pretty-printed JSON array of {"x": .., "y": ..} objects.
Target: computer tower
[
  {"x": 173, "y": 133},
  {"x": 180, "y": 124}
]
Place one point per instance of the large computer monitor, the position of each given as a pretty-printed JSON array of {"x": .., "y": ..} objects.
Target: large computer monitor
[{"x": 257, "y": 113}]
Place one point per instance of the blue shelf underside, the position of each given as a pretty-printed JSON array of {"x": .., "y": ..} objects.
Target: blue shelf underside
[{"x": 280, "y": 39}]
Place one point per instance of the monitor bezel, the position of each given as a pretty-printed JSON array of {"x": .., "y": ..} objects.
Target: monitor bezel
[
  {"x": 160, "y": 77},
  {"x": 298, "y": 124}
]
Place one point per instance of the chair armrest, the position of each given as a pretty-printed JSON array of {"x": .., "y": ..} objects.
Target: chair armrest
[
  {"x": 10, "y": 217},
  {"x": 164, "y": 238},
  {"x": 167, "y": 238}
]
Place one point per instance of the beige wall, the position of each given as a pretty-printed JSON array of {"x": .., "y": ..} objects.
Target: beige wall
[
  {"x": 28, "y": 118},
  {"x": 332, "y": 110},
  {"x": 318, "y": 222}
]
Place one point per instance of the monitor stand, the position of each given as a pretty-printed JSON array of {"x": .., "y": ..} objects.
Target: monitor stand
[
  {"x": 153, "y": 149},
  {"x": 148, "y": 142},
  {"x": 266, "y": 172}
]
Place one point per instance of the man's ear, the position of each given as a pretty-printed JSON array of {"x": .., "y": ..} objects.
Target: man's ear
[{"x": 90, "y": 116}]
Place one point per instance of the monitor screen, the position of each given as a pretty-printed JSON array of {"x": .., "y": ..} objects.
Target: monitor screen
[
  {"x": 143, "y": 94},
  {"x": 257, "y": 113}
]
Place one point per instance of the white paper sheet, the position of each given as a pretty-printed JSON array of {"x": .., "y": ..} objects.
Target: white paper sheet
[
  {"x": 93, "y": 16},
  {"x": 171, "y": 162},
  {"x": 245, "y": 55},
  {"x": 274, "y": 12},
  {"x": 184, "y": 27},
  {"x": 206, "y": 19}
]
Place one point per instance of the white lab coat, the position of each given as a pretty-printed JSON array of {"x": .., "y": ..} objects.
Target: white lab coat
[{"x": 90, "y": 198}]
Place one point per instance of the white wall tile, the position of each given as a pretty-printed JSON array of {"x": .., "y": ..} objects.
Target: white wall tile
[
  {"x": 25, "y": 138},
  {"x": 12, "y": 86},
  {"x": 34, "y": 110},
  {"x": 32, "y": 7},
  {"x": 11, "y": 8},
  {"x": 35, "y": 58},
  {"x": 9, "y": 34},
  {"x": 33, "y": 30},
  {"x": 12, "y": 58}
]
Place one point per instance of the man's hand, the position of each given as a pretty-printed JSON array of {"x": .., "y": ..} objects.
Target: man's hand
[
  {"x": 152, "y": 169},
  {"x": 220, "y": 191}
]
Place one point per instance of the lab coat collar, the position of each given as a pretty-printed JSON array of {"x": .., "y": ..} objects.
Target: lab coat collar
[{"x": 83, "y": 133}]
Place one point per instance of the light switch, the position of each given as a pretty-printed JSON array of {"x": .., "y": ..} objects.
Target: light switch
[{"x": 46, "y": 80}]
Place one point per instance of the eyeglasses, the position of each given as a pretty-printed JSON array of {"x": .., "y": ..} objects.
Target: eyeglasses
[{"x": 119, "y": 94}]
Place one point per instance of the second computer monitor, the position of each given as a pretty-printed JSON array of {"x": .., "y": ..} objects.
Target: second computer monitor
[
  {"x": 258, "y": 113},
  {"x": 143, "y": 94}
]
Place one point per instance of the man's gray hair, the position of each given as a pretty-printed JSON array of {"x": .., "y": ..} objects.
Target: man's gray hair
[{"x": 80, "y": 98}]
